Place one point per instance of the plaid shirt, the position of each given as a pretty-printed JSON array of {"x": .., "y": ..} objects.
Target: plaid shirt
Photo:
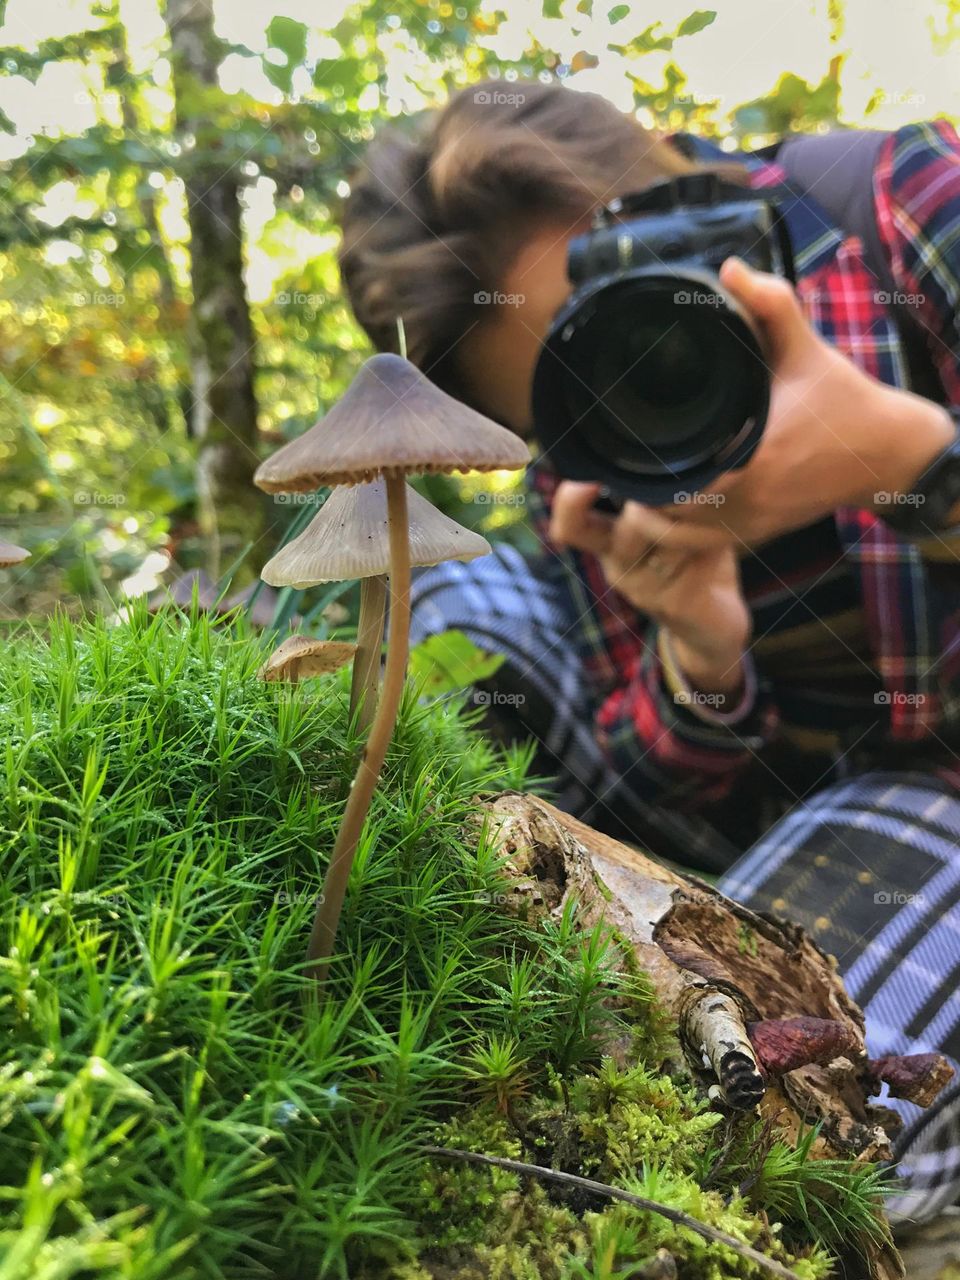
[{"x": 901, "y": 597}]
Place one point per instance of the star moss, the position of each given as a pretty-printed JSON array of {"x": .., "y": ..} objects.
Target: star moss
[{"x": 172, "y": 1101}]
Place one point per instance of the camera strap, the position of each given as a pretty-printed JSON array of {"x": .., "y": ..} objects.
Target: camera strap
[{"x": 836, "y": 170}]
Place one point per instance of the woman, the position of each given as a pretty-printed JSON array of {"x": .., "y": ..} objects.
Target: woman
[{"x": 779, "y": 647}]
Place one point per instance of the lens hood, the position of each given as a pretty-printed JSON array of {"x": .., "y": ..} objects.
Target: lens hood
[{"x": 652, "y": 382}]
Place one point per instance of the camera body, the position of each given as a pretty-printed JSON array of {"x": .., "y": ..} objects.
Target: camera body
[{"x": 652, "y": 379}]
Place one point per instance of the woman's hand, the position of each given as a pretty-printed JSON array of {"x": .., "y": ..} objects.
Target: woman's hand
[
  {"x": 692, "y": 590},
  {"x": 834, "y": 437}
]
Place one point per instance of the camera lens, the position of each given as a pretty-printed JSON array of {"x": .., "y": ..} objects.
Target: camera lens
[{"x": 649, "y": 384}]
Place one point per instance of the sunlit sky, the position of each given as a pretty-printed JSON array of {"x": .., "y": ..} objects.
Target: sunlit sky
[
  {"x": 897, "y": 49},
  {"x": 890, "y": 46}
]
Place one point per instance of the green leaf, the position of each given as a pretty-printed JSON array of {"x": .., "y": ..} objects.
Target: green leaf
[
  {"x": 696, "y": 21},
  {"x": 290, "y": 37},
  {"x": 648, "y": 41},
  {"x": 450, "y": 661},
  {"x": 618, "y": 13}
]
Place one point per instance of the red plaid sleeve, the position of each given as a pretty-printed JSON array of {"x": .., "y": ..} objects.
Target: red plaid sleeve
[
  {"x": 917, "y": 201},
  {"x": 657, "y": 730},
  {"x": 671, "y": 745}
]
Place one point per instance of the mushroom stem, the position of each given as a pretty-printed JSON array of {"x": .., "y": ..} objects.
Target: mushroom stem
[
  {"x": 327, "y": 916},
  {"x": 366, "y": 665}
]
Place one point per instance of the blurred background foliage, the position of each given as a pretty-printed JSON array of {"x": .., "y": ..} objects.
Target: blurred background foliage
[{"x": 171, "y": 173}]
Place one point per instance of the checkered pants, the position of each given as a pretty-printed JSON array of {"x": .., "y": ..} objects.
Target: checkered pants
[{"x": 869, "y": 866}]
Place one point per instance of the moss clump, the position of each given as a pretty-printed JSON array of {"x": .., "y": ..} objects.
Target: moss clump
[
  {"x": 172, "y": 1104},
  {"x": 631, "y": 1128}
]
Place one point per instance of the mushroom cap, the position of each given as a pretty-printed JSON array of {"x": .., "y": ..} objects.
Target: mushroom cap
[
  {"x": 349, "y": 538},
  {"x": 392, "y": 420},
  {"x": 10, "y": 554},
  {"x": 300, "y": 657}
]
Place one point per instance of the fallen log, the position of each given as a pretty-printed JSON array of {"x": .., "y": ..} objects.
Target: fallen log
[{"x": 763, "y": 1020}]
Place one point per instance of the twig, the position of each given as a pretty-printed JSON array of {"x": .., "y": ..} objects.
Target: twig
[{"x": 675, "y": 1216}]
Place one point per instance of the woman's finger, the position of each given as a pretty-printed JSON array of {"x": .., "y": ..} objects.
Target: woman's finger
[
  {"x": 645, "y": 582},
  {"x": 573, "y": 521},
  {"x": 772, "y": 301},
  {"x": 639, "y": 529}
]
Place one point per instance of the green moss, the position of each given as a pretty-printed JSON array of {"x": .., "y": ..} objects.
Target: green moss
[
  {"x": 630, "y": 1128},
  {"x": 173, "y": 1106}
]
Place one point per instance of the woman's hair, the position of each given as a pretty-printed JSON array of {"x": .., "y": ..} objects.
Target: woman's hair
[{"x": 435, "y": 219}]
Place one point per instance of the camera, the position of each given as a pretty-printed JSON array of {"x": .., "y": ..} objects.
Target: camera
[{"x": 652, "y": 379}]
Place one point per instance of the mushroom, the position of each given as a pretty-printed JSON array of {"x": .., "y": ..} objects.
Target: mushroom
[
  {"x": 784, "y": 1044},
  {"x": 918, "y": 1077},
  {"x": 11, "y": 554},
  {"x": 300, "y": 657},
  {"x": 392, "y": 422},
  {"x": 348, "y": 538}
]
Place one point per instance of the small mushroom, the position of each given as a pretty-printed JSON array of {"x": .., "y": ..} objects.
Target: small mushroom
[
  {"x": 349, "y": 538},
  {"x": 300, "y": 657},
  {"x": 784, "y": 1044},
  {"x": 917, "y": 1077},
  {"x": 392, "y": 422},
  {"x": 11, "y": 554}
]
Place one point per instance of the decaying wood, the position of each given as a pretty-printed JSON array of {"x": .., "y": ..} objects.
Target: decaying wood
[
  {"x": 724, "y": 972},
  {"x": 712, "y": 1030}
]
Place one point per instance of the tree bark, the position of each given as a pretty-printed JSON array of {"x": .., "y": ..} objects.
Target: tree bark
[
  {"x": 725, "y": 974},
  {"x": 224, "y": 410}
]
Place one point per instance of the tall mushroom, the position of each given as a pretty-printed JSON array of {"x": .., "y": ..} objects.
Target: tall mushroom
[
  {"x": 392, "y": 422},
  {"x": 349, "y": 538}
]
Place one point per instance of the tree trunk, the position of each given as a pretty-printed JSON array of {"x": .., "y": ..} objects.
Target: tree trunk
[
  {"x": 224, "y": 411},
  {"x": 763, "y": 1018}
]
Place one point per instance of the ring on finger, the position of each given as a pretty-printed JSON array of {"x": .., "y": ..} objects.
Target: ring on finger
[{"x": 657, "y": 562}]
